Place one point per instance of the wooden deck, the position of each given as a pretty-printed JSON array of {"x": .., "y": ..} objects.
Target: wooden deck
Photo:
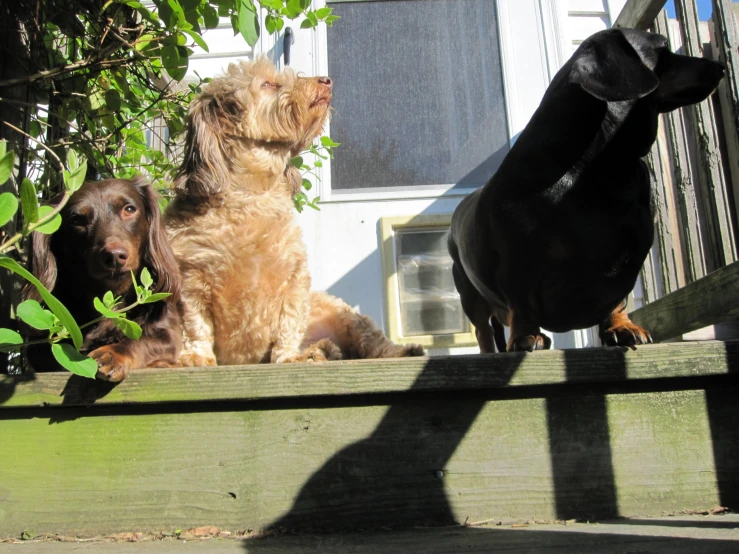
[{"x": 557, "y": 435}]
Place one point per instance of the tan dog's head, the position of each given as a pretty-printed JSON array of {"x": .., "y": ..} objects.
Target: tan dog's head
[{"x": 254, "y": 108}]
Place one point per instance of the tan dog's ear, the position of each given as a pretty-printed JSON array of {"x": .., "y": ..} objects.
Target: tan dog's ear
[
  {"x": 294, "y": 179},
  {"x": 205, "y": 168}
]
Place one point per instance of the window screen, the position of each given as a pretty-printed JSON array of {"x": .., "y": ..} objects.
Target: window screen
[
  {"x": 429, "y": 302},
  {"x": 418, "y": 93}
]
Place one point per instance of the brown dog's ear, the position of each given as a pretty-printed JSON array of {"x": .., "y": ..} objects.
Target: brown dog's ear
[
  {"x": 43, "y": 265},
  {"x": 294, "y": 179},
  {"x": 608, "y": 67},
  {"x": 158, "y": 256},
  {"x": 204, "y": 169}
]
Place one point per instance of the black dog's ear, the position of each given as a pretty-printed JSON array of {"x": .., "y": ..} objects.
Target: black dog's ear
[
  {"x": 43, "y": 265},
  {"x": 685, "y": 80},
  {"x": 607, "y": 67},
  {"x": 159, "y": 256}
]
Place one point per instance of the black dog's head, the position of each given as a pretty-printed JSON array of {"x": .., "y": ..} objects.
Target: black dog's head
[
  {"x": 109, "y": 229},
  {"x": 626, "y": 64}
]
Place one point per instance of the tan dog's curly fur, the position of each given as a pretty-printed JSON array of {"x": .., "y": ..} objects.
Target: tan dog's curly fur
[{"x": 246, "y": 286}]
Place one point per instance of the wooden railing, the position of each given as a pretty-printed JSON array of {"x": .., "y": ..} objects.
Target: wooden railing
[{"x": 695, "y": 162}]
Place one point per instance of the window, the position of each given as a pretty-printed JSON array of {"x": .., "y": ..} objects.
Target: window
[
  {"x": 419, "y": 97},
  {"x": 422, "y": 302}
]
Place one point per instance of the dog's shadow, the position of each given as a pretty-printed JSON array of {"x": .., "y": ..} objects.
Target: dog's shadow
[{"x": 79, "y": 392}]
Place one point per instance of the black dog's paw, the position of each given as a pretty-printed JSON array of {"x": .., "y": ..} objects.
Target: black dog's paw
[
  {"x": 626, "y": 334},
  {"x": 529, "y": 343}
]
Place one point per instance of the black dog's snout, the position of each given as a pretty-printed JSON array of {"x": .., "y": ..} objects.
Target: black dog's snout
[{"x": 114, "y": 256}]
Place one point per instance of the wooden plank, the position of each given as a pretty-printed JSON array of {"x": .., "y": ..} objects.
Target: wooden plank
[
  {"x": 424, "y": 460},
  {"x": 639, "y": 14},
  {"x": 361, "y": 377},
  {"x": 691, "y": 239},
  {"x": 667, "y": 233},
  {"x": 712, "y": 184},
  {"x": 725, "y": 48},
  {"x": 710, "y": 300}
]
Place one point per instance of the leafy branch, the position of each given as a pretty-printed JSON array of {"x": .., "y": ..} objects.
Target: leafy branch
[{"x": 321, "y": 153}]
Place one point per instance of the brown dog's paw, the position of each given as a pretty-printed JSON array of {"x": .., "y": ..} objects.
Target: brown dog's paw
[
  {"x": 411, "y": 350},
  {"x": 529, "y": 343},
  {"x": 112, "y": 365},
  {"x": 625, "y": 333}
]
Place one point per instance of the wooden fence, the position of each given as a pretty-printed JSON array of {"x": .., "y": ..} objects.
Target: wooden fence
[{"x": 695, "y": 161}]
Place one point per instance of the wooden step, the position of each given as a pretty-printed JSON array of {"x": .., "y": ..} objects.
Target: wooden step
[{"x": 576, "y": 434}]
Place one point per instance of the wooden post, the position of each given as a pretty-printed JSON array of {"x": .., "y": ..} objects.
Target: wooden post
[
  {"x": 725, "y": 48},
  {"x": 712, "y": 183}
]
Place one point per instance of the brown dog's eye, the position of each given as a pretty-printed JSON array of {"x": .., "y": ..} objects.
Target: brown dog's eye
[
  {"x": 77, "y": 220},
  {"x": 130, "y": 209}
]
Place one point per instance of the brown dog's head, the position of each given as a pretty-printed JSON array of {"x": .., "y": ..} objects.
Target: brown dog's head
[
  {"x": 254, "y": 105},
  {"x": 109, "y": 229}
]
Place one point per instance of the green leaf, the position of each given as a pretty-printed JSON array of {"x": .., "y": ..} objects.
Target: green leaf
[
  {"x": 292, "y": 9},
  {"x": 109, "y": 300},
  {"x": 323, "y": 13},
  {"x": 76, "y": 178},
  {"x": 329, "y": 21},
  {"x": 29, "y": 201},
  {"x": 50, "y": 226},
  {"x": 8, "y": 207},
  {"x": 103, "y": 309},
  {"x": 318, "y": 163},
  {"x": 112, "y": 100},
  {"x": 62, "y": 313},
  {"x": 276, "y": 5},
  {"x": 307, "y": 24},
  {"x": 6, "y": 166},
  {"x": 297, "y": 161},
  {"x": 198, "y": 40},
  {"x": 248, "y": 22},
  {"x": 130, "y": 328},
  {"x": 307, "y": 185},
  {"x": 189, "y": 5},
  {"x": 70, "y": 359},
  {"x": 145, "y": 278},
  {"x": 270, "y": 23},
  {"x": 210, "y": 17},
  {"x": 35, "y": 315},
  {"x": 73, "y": 161},
  {"x": 156, "y": 297},
  {"x": 177, "y": 10},
  {"x": 9, "y": 340},
  {"x": 326, "y": 141},
  {"x": 144, "y": 41},
  {"x": 3, "y": 147},
  {"x": 174, "y": 61}
]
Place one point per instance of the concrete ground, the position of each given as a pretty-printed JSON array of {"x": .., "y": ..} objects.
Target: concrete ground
[{"x": 676, "y": 534}]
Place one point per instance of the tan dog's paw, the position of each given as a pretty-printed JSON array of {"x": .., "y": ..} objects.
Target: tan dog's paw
[
  {"x": 195, "y": 359},
  {"x": 529, "y": 343},
  {"x": 625, "y": 333},
  {"x": 322, "y": 351},
  {"x": 112, "y": 365}
]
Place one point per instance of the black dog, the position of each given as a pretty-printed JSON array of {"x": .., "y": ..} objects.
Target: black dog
[
  {"x": 109, "y": 229},
  {"x": 557, "y": 237}
]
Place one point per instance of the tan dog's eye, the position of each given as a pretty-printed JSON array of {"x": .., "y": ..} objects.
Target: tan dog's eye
[
  {"x": 270, "y": 85},
  {"x": 130, "y": 209}
]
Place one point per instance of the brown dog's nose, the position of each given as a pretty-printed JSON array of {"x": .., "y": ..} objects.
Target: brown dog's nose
[
  {"x": 326, "y": 81},
  {"x": 114, "y": 256}
]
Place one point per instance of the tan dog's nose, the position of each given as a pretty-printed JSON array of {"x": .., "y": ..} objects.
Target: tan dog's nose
[{"x": 326, "y": 81}]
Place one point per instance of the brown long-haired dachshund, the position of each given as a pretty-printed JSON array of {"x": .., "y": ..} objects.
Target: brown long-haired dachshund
[{"x": 109, "y": 229}]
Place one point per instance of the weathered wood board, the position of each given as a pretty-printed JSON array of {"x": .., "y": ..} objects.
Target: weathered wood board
[{"x": 363, "y": 457}]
